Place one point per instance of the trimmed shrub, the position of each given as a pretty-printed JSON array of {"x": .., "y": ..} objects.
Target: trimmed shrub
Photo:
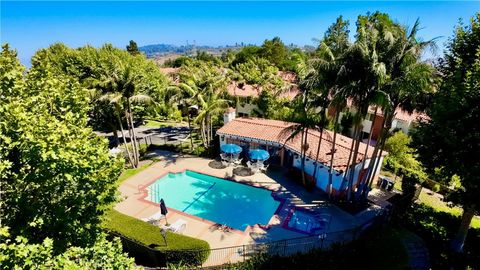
[{"x": 145, "y": 242}]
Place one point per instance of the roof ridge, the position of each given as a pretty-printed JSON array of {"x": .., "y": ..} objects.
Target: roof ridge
[{"x": 252, "y": 121}]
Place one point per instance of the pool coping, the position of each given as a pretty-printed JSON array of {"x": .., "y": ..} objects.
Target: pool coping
[{"x": 143, "y": 189}]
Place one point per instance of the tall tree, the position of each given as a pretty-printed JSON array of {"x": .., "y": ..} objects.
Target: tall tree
[
  {"x": 102, "y": 70},
  {"x": 132, "y": 48},
  {"x": 57, "y": 176},
  {"x": 323, "y": 75},
  {"x": 274, "y": 51},
  {"x": 202, "y": 84},
  {"x": 304, "y": 120},
  {"x": 336, "y": 37},
  {"x": 409, "y": 80},
  {"x": 450, "y": 139},
  {"x": 361, "y": 75}
]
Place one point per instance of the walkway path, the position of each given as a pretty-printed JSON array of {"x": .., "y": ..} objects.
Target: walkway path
[{"x": 417, "y": 252}]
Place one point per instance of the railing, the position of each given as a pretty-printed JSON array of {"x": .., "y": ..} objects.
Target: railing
[
  {"x": 287, "y": 247},
  {"x": 215, "y": 257}
]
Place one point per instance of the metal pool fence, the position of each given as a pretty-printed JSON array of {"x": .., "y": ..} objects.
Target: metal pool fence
[
  {"x": 287, "y": 247},
  {"x": 151, "y": 257}
]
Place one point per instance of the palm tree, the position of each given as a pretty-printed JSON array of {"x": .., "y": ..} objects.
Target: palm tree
[
  {"x": 115, "y": 100},
  {"x": 202, "y": 86},
  {"x": 361, "y": 75},
  {"x": 213, "y": 106},
  {"x": 119, "y": 87},
  {"x": 338, "y": 104},
  {"x": 409, "y": 80},
  {"x": 304, "y": 120},
  {"x": 316, "y": 87}
]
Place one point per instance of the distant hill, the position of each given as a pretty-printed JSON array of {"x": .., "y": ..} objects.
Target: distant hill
[{"x": 164, "y": 49}]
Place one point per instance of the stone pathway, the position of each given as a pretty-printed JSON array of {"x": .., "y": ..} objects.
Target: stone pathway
[{"x": 417, "y": 252}]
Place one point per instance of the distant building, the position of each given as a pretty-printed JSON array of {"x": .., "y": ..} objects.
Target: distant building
[
  {"x": 402, "y": 120},
  {"x": 245, "y": 93}
]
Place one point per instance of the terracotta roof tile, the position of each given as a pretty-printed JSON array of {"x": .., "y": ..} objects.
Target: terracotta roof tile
[{"x": 278, "y": 131}]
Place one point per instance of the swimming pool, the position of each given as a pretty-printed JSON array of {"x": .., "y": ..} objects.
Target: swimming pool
[{"x": 215, "y": 199}]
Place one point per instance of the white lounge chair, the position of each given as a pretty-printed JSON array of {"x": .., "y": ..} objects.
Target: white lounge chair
[
  {"x": 178, "y": 226},
  {"x": 237, "y": 162},
  {"x": 155, "y": 218},
  {"x": 263, "y": 167},
  {"x": 252, "y": 166}
]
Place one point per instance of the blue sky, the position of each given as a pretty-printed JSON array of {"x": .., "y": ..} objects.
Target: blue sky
[{"x": 28, "y": 26}]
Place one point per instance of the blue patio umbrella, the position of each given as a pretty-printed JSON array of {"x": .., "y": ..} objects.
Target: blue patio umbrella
[
  {"x": 231, "y": 148},
  {"x": 258, "y": 154}
]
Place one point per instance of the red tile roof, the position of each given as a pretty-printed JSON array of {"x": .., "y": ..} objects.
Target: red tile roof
[
  {"x": 399, "y": 113},
  {"x": 248, "y": 90},
  {"x": 278, "y": 131}
]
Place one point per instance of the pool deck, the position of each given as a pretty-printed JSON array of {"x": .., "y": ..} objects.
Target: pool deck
[{"x": 292, "y": 195}]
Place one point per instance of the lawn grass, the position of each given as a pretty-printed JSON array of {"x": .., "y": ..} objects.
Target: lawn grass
[
  {"x": 433, "y": 201},
  {"x": 130, "y": 172},
  {"x": 148, "y": 234},
  {"x": 441, "y": 206},
  {"x": 153, "y": 123}
]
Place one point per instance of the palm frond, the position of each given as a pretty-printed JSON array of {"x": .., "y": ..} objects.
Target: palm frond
[{"x": 141, "y": 99}]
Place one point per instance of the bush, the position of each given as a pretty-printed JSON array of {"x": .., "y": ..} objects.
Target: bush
[
  {"x": 436, "y": 188},
  {"x": 179, "y": 248},
  {"x": 437, "y": 229},
  {"x": 376, "y": 250}
]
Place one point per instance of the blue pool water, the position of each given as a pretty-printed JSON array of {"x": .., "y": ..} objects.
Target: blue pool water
[{"x": 218, "y": 200}]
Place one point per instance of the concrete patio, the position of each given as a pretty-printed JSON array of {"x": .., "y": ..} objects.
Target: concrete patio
[{"x": 293, "y": 195}]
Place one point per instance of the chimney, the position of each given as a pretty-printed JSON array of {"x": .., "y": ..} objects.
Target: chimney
[{"x": 229, "y": 115}]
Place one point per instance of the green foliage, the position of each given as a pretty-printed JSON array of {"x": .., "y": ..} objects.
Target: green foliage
[
  {"x": 257, "y": 71},
  {"x": 202, "y": 85},
  {"x": 272, "y": 107},
  {"x": 274, "y": 51},
  {"x": 178, "y": 62},
  {"x": 207, "y": 57},
  {"x": 100, "y": 70},
  {"x": 449, "y": 139},
  {"x": 346, "y": 123},
  {"x": 336, "y": 36},
  {"x": 148, "y": 234},
  {"x": 400, "y": 153},
  {"x": 132, "y": 48},
  {"x": 57, "y": 176},
  {"x": 130, "y": 172},
  {"x": 437, "y": 229},
  {"x": 381, "y": 249},
  {"x": 228, "y": 57},
  {"x": 18, "y": 253},
  {"x": 179, "y": 247},
  {"x": 296, "y": 62},
  {"x": 245, "y": 54}
]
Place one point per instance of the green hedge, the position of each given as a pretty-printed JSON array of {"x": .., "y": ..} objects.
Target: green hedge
[
  {"x": 437, "y": 230},
  {"x": 179, "y": 248}
]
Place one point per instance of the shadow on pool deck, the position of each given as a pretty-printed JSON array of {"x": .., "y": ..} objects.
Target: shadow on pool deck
[{"x": 293, "y": 194}]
